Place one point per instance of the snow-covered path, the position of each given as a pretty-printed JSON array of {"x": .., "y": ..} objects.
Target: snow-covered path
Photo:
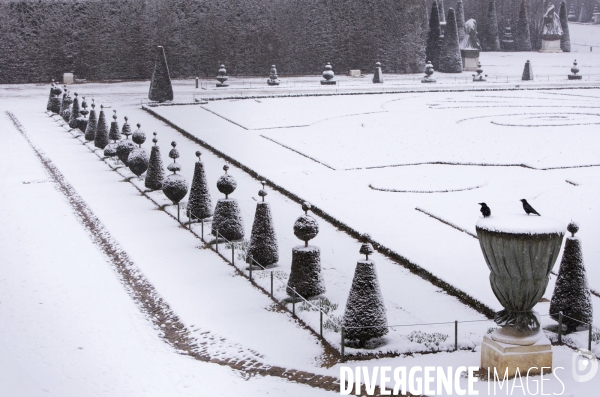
[{"x": 67, "y": 325}]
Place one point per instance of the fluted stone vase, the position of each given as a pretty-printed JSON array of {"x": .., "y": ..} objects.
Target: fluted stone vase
[{"x": 520, "y": 251}]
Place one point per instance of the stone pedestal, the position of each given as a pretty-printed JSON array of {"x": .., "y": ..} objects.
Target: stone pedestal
[
  {"x": 596, "y": 18},
  {"x": 470, "y": 59},
  {"x": 501, "y": 356},
  {"x": 354, "y": 73},
  {"x": 68, "y": 78},
  {"x": 550, "y": 46}
]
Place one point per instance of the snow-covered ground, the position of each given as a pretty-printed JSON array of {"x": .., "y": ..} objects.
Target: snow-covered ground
[{"x": 379, "y": 163}]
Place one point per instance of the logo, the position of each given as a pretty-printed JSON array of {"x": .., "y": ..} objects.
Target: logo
[{"x": 585, "y": 365}]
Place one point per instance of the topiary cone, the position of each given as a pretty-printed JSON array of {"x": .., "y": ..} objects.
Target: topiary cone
[
  {"x": 263, "y": 242},
  {"x": 571, "y": 294},
  {"x": 90, "y": 130},
  {"x": 450, "y": 58},
  {"x": 161, "y": 89},
  {"x": 200, "y": 203},
  {"x": 101, "y": 136},
  {"x": 156, "y": 174},
  {"x": 74, "y": 115},
  {"x": 365, "y": 307},
  {"x": 432, "y": 50}
]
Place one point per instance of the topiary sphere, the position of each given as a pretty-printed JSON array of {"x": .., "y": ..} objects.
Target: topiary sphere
[
  {"x": 124, "y": 148},
  {"x": 174, "y": 167},
  {"x": 138, "y": 161},
  {"x": 175, "y": 188},
  {"x": 139, "y": 136},
  {"x": 306, "y": 228},
  {"x": 573, "y": 228},
  {"x": 226, "y": 184},
  {"x": 110, "y": 150},
  {"x": 174, "y": 153},
  {"x": 306, "y": 206}
]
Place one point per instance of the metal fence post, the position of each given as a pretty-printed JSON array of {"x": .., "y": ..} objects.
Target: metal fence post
[
  {"x": 202, "y": 229},
  {"x": 455, "y": 335},
  {"x": 271, "y": 284},
  {"x": 178, "y": 220},
  {"x": 321, "y": 319},
  {"x": 590, "y": 337},
  {"x": 294, "y": 301},
  {"x": 342, "y": 349},
  {"x": 560, "y": 315},
  {"x": 217, "y": 240},
  {"x": 233, "y": 258}
]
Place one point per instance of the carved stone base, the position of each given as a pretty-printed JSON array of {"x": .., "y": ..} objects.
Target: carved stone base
[
  {"x": 470, "y": 64},
  {"x": 328, "y": 82},
  {"x": 526, "y": 358},
  {"x": 574, "y": 76},
  {"x": 427, "y": 80},
  {"x": 272, "y": 82},
  {"x": 550, "y": 46},
  {"x": 222, "y": 85}
]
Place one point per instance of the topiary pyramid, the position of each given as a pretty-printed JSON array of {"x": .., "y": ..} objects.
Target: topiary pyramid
[
  {"x": 161, "y": 89},
  {"x": 74, "y": 115},
  {"x": 571, "y": 294},
  {"x": 527, "y": 72},
  {"x": 227, "y": 219},
  {"x": 263, "y": 242},
  {"x": 50, "y": 96},
  {"x": 125, "y": 146},
  {"x": 450, "y": 59},
  {"x": 56, "y": 100},
  {"x": 101, "y": 136},
  {"x": 82, "y": 121},
  {"x": 305, "y": 276},
  {"x": 90, "y": 130},
  {"x": 174, "y": 186},
  {"x": 491, "y": 39},
  {"x": 442, "y": 13},
  {"x": 565, "y": 39},
  {"x": 523, "y": 36},
  {"x": 111, "y": 149},
  {"x": 365, "y": 307},
  {"x": 432, "y": 50},
  {"x": 200, "y": 204},
  {"x": 156, "y": 174},
  {"x": 378, "y": 75},
  {"x": 138, "y": 160}
]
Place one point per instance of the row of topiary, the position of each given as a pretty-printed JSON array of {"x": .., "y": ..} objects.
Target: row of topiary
[{"x": 364, "y": 308}]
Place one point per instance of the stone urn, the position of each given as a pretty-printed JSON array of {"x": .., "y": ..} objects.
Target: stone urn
[
  {"x": 222, "y": 77},
  {"x": 520, "y": 252},
  {"x": 574, "y": 72}
]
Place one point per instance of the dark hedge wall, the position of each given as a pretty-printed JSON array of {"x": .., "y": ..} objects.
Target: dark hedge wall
[{"x": 115, "y": 39}]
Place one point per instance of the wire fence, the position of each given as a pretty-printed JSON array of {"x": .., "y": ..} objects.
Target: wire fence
[{"x": 253, "y": 266}]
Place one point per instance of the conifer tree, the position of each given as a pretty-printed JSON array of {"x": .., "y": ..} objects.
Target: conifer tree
[
  {"x": 101, "y": 136},
  {"x": 365, "y": 315},
  {"x": 90, "y": 130},
  {"x": 161, "y": 89},
  {"x": 523, "y": 36},
  {"x": 263, "y": 242},
  {"x": 156, "y": 174},
  {"x": 200, "y": 203},
  {"x": 565, "y": 40},
  {"x": 450, "y": 59},
  {"x": 571, "y": 294},
  {"x": 460, "y": 20},
  {"x": 491, "y": 38},
  {"x": 432, "y": 51}
]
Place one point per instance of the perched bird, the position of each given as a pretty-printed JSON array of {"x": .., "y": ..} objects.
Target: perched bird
[
  {"x": 528, "y": 208},
  {"x": 485, "y": 210}
]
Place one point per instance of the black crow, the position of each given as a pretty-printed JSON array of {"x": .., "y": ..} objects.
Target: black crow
[
  {"x": 528, "y": 208},
  {"x": 485, "y": 210}
]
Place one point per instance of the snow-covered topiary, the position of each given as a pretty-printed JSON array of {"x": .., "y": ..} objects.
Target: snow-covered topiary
[
  {"x": 491, "y": 39},
  {"x": 432, "y": 50},
  {"x": 222, "y": 77},
  {"x": 161, "y": 89},
  {"x": 125, "y": 147},
  {"x": 442, "y": 12},
  {"x": 565, "y": 39},
  {"x": 101, "y": 135},
  {"x": 56, "y": 100},
  {"x": 523, "y": 36},
  {"x": 527, "y": 72},
  {"x": 378, "y": 75},
  {"x": 263, "y": 242},
  {"x": 305, "y": 276},
  {"x": 174, "y": 186},
  {"x": 156, "y": 174},
  {"x": 365, "y": 307},
  {"x": 328, "y": 75},
  {"x": 90, "y": 130},
  {"x": 450, "y": 59},
  {"x": 227, "y": 219},
  {"x": 114, "y": 133},
  {"x": 200, "y": 203},
  {"x": 273, "y": 80},
  {"x": 74, "y": 115},
  {"x": 82, "y": 121},
  {"x": 137, "y": 161},
  {"x": 50, "y": 96},
  {"x": 65, "y": 107},
  {"x": 571, "y": 294},
  {"x": 126, "y": 129}
]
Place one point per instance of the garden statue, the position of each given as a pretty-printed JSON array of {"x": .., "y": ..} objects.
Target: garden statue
[
  {"x": 470, "y": 46},
  {"x": 551, "y": 31}
]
